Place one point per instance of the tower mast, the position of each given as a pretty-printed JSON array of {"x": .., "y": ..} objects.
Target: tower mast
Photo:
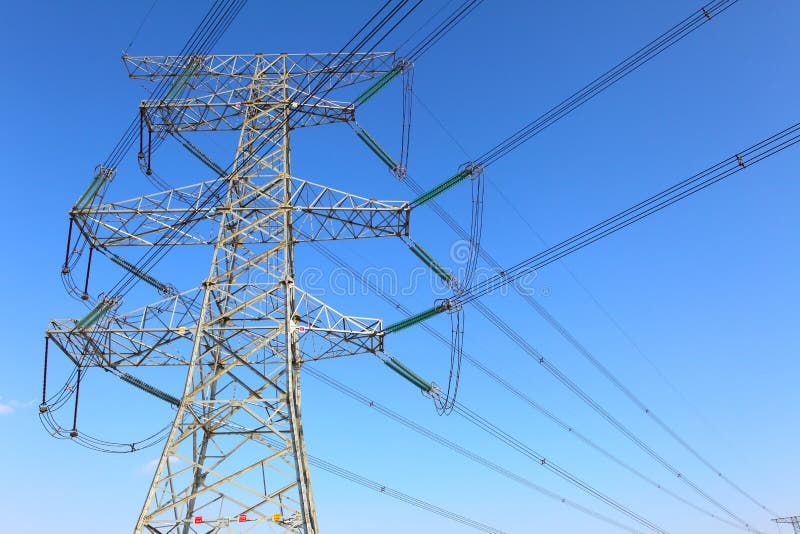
[{"x": 235, "y": 458}]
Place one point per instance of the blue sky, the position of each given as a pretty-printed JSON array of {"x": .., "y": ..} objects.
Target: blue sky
[{"x": 694, "y": 309}]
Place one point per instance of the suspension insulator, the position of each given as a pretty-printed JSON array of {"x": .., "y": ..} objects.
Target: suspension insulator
[
  {"x": 43, "y": 405},
  {"x": 65, "y": 269},
  {"x": 74, "y": 432},
  {"x": 149, "y": 170},
  {"x": 140, "y": 155},
  {"x": 85, "y": 295}
]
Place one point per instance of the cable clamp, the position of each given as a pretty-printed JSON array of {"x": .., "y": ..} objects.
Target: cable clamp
[
  {"x": 450, "y": 305},
  {"x": 471, "y": 168}
]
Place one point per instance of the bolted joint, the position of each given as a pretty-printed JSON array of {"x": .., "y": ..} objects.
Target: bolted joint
[
  {"x": 472, "y": 169},
  {"x": 451, "y": 305},
  {"x": 208, "y": 283}
]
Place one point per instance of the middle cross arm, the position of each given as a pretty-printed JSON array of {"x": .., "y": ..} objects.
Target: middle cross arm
[{"x": 190, "y": 215}]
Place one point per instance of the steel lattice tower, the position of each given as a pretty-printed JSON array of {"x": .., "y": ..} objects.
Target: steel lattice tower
[
  {"x": 794, "y": 521},
  {"x": 234, "y": 459}
]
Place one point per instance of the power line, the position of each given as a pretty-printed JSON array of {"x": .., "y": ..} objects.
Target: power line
[
  {"x": 544, "y": 313},
  {"x": 141, "y": 24},
  {"x": 651, "y": 50},
  {"x": 571, "y": 429},
  {"x": 441, "y": 30},
  {"x": 492, "y": 429},
  {"x": 648, "y": 52},
  {"x": 438, "y": 438},
  {"x": 404, "y": 497},
  {"x": 569, "y": 336},
  {"x": 592, "y": 403},
  {"x": 729, "y": 166}
]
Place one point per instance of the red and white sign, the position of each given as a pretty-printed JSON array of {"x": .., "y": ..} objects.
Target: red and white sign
[
  {"x": 242, "y": 518},
  {"x": 198, "y": 519}
]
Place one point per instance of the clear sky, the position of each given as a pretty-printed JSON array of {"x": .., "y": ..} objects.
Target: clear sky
[{"x": 694, "y": 309}]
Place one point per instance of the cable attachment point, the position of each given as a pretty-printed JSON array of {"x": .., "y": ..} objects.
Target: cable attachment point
[
  {"x": 450, "y": 305},
  {"x": 706, "y": 13},
  {"x": 740, "y": 160},
  {"x": 466, "y": 170},
  {"x": 407, "y": 79},
  {"x": 102, "y": 176},
  {"x": 471, "y": 169}
]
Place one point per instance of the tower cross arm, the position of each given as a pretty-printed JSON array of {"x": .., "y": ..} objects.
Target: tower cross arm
[
  {"x": 190, "y": 215},
  {"x": 323, "y": 213},
  {"x": 343, "y": 69},
  {"x": 324, "y": 333},
  {"x": 228, "y": 111}
]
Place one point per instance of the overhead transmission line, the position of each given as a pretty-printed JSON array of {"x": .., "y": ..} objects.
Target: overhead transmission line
[
  {"x": 666, "y": 40},
  {"x": 475, "y": 168},
  {"x": 399, "y": 495},
  {"x": 141, "y": 24},
  {"x": 658, "y": 45},
  {"x": 569, "y": 428},
  {"x": 438, "y": 438},
  {"x": 492, "y": 429},
  {"x": 598, "y": 408},
  {"x": 729, "y": 166},
  {"x": 706, "y": 13},
  {"x": 363, "y": 481},
  {"x": 442, "y": 29},
  {"x": 754, "y": 154},
  {"x": 546, "y": 315},
  {"x": 568, "y": 336},
  {"x": 643, "y": 55}
]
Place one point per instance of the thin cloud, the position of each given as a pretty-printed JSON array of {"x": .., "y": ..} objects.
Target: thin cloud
[
  {"x": 150, "y": 467},
  {"x": 11, "y": 406}
]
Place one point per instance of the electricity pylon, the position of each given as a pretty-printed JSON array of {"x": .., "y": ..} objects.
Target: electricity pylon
[
  {"x": 794, "y": 521},
  {"x": 234, "y": 458}
]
